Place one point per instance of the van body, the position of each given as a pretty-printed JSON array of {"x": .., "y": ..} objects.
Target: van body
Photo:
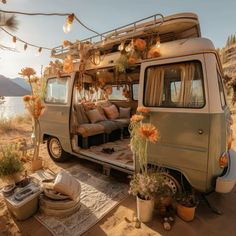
[{"x": 184, "y": 91}]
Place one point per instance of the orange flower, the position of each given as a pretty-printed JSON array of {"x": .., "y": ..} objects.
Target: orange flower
[
  {"x": 132, "y": 60},
  {"x": 136, "y": 118},
  {"x": 66, "y": 43},
  {"x": 27, "y": 71},
  {"x": 149, "y": 132},
  {"x": 68, "y": 65},
  {"x": 26, "y": 98},
  {"x": 143, "y": 110},
  {"x": 140, "y": 44}
]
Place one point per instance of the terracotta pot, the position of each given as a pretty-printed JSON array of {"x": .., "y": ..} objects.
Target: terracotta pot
[
  {"x": 36, "y": 164},
  {"x": 145, "y": 209},
  {"x": 185, "y": 213}
]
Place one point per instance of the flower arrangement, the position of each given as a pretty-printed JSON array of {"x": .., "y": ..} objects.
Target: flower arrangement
[
  {"x": 145, "y": 185},
  {"x": 141, "y": 134},
  {"x": 34, "y": 104}
]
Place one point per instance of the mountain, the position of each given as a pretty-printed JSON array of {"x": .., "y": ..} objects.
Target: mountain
[
  {"x": 9, "y": 88},
  {"x": 21, "y": 82}
]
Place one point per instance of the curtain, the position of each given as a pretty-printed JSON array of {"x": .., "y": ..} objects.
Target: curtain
[
  {"x": 187, "y": 77},
  {"x": 154, "y": 87}
]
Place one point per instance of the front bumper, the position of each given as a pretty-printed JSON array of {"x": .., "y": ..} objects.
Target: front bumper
[{"x": 225, "y": 183}]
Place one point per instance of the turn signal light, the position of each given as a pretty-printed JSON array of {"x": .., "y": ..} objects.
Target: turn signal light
[{"x": 223, "y": 161}]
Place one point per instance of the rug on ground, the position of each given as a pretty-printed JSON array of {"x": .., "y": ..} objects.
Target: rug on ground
[{"x": 99, "y": 195}]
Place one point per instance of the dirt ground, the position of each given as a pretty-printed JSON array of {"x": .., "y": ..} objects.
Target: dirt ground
[{"x": 118, "y": 222}]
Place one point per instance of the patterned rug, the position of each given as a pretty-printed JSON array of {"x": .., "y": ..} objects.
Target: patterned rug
[{"x": 99, "y": 195}]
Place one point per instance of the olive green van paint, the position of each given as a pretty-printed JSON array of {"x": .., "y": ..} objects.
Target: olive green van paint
[{"x": 189, "y": 143}]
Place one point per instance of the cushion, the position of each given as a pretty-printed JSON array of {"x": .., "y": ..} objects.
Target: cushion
[
  {"x": 80, "y": 114},
  {"x": 109, "y": 126},
  {"x": 95, "y": 116},
  {"x": 66, "y": 184},
  {"x": 87, "y": 130},
  {"x": 89, "y": 106},
  {"x": 111, "y": 112},
  {"x": 124, "y": 112}
]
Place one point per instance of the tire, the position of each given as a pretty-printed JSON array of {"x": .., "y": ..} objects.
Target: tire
[{"x": 56, "y": 151}]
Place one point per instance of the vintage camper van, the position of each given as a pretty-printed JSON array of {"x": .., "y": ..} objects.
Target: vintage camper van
[{"x": 178, "y": 77}]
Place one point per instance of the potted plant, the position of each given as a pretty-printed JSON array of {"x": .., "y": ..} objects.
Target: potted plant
[
  {"x": 186, "y": 205},
  {"x": 144, "y": 183},
  {"x": 10, "y": 164},
  {"x": 144, "y": 186}
]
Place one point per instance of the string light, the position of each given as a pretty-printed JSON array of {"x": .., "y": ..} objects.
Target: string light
[
  {"x": 14, "y": 41},
  {"x": 39, "y": 51},
  {"x": 68, "y": 25}
]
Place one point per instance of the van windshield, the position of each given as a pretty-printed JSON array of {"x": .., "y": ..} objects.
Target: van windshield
[{"x": 174, "y": 85}]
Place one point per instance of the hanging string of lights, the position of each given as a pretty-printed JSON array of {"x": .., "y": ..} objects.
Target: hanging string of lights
[{"x": 66, "y": 27}]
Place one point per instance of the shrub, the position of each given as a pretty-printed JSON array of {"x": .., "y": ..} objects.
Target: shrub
[{"x": 10, "y": 162}]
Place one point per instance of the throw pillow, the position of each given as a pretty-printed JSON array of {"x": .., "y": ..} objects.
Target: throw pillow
[
  {"x": 111, "y": 112},
  {"x": 67, "y": 184},
  {"x": 95, "y": 116},
  {"x": 125, "y": 112}
]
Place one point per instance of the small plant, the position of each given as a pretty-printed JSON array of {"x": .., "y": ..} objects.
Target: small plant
[
  {"x": 10, "y": 162},
  {"x": 145, "y": 185},
  {"x": 187, "y": 199},
  {"x": 6, "y": 124}
]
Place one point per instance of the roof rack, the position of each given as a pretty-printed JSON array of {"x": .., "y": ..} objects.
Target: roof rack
[{"x": 169, "y": 28}]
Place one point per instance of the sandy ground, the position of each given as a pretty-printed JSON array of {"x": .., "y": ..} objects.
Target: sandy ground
[{"x": 118, "y": 222}]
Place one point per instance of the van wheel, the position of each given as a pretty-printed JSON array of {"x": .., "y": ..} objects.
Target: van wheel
[
  {"x": 172, "y": 183},
  {"x": 55, "y": 150}
]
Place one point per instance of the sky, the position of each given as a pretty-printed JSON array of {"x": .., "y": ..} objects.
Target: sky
[{"x": 217, "y": 20}]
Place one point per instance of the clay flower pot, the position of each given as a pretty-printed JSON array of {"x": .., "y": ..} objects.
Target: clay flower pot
[{"x": 185, "y": 213}]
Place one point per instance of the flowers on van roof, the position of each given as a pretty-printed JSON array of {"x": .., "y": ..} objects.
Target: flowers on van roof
[
  {"x": 136, "y": 118},
  {"x": 149, "y": 132},
  {"x": 143, "y": 110}
]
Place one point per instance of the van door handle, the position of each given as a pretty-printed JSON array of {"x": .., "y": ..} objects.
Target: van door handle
[{"x": 200, "y": 131}]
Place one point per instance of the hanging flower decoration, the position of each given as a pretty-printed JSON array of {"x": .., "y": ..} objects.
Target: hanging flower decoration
[
  {"x": 68, "y": 65},
  {"x": 66, "y": 43},
  {"x": 140, "y": 44}
]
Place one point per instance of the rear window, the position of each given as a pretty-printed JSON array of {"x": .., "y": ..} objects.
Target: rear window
[
  {"x": 117, "y": 92},
  {"x": 174, "y": 85},
  {"x": 57, "y": 90}
]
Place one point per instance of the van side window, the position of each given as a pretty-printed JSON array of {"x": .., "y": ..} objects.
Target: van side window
[
  {"x": 57, "y": 90},
  {"x": 135, "y": 88},
  {"x": 221, "y": 88},
  {"x": 174, "y": 85}
]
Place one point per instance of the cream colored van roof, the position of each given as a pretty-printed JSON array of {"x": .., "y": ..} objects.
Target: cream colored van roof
[{"x": 170, "y": 28}]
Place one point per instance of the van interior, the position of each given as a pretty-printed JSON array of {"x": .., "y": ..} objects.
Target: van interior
[{"x": 103, "y": 102}]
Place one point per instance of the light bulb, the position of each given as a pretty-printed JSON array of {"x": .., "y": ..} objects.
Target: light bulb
[
  {"x": 67, "y": 27},
  {"x": 158, "y": 42},
  {"x": 38, "y": 52},
  {"x": 14, "y": 41},
  {"x": 25, "y": 46},
  {"x": 121, "y": 47}
]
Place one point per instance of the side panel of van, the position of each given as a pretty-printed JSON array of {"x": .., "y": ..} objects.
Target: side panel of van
[
  {"x": 55, "y": 120},
  {"x": 184, "y": 132}
]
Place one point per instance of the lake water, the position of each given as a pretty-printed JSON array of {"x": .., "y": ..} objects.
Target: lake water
[{"x": 12, "y": 106}]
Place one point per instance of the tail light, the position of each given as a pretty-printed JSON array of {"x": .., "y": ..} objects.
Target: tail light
[{"x": 223, "y": 160}]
